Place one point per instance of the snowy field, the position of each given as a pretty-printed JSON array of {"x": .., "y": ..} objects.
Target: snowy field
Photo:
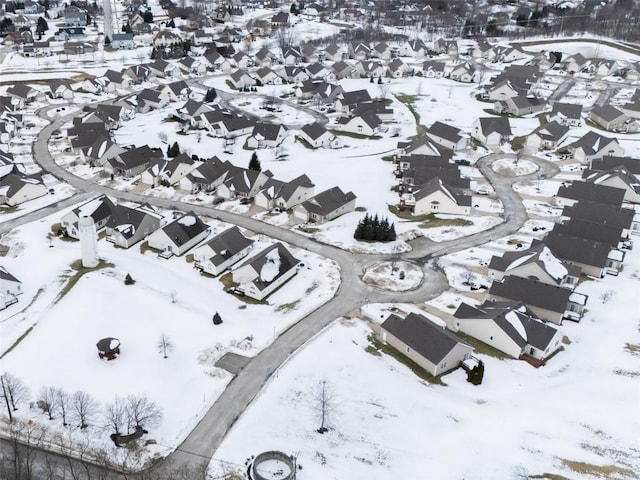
[
  {"x": 559, "y": 420},
  {"x": 169, "y": 297}
]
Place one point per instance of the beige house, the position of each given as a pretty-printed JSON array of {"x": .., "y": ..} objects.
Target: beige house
[
  {"x": 424, "y": 342},
  {"x": 435, "y": 196}
]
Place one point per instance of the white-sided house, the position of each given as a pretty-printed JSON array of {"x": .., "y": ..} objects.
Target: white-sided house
[
  {"x": 325, "y": 206},
  {"x": 568, "y": 114},
  {"x": 435, "y": 196},
  {"x": 449, "y": 137},
  {"x": 509, "y": 327},
  {"x": 267, "y": 135},
  {"x": 548, "y": 136},
  {"x": 592, "y": 146},
  {"x": 169, "y": 172},
  {"x": 99, "y": 209},
  {"x": 537, "y": 263},
  {"x": 492, "y": 131},
  {"x": 179, "y": 236},
  {"x": 265, "y": 272},
  {"x": 464, "y": 72},
  {"x": 285, "y": 195},
  {"x": 366, "y": 123},
  {"x": 16, "y": 188},
  {"x": 618, "y": 177},
  {"x": 424, "y": 342},
  {"x": 316, "y": 135},
  {"x": 127, "y": 226},
  {"x": 222, "y": 251},
  {"x": 10, "y": 288}
]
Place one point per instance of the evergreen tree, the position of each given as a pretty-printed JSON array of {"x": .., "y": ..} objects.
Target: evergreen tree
[
  {"x": 126, "y": 28},
  {"x": 217, "y": 320},
  {"x": 294, "y": 9},
  {"x": 42, "y": 25},
  {"x": 254, "y": 163},
  {"x": 371, "y": 79},
  {"x": 391, "y": 234},
  {"x": 171, "y": 24},
  {"x": 173, "y": 150},
  {"x": 379, "y": 80},
  {"x": 147, "y": 16},
  {"x": 211, "y": 95}
]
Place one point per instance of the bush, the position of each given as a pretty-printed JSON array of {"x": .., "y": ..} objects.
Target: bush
[
  {"x": 128, "y": 280},
  {"x": 217, "y": 320}
]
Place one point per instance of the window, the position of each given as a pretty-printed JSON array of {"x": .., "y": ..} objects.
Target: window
[{"x": 408, "y": 349}]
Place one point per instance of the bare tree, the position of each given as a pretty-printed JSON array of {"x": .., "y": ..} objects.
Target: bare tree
[
  {"x": 83, "y": 408},
  {"x": 324, "y": 405},
  {"x": 14, "y": 391},
  {"x": 63, "y": 404},
  {"x": 163, "y": 136},
  {"x": 173, "y": 296},
  {"x": 48, "y": 401},
  {"x": 165, "y": 345},
  {"x": 24, "y": 439},
  {"x": 142, "y": 412},
  {"x": 115, "y": 414},
  {"x": 468, "y": 278}
]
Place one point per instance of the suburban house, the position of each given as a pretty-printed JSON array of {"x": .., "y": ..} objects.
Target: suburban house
[
  {"x": 10, "y": 288},
  {"x": 132, "y": 162},
  {"x": 98, "y": 152},
  {"x": 207, "y": 176},
  {"x": 463, "y": 72},
  {"x": 548, "y": 302},
  {"x": 166, "y": 38},
  {"x": 267, "y": 135},
  {"x": 179, "y": 236},
  {"x": 449, "y": 137},
  {"x": 127, "y": 226},
  {"x": 435, "y": 196},
  {"x": 60, "y": 88},
  {"x": 612, "y": 119},
  {"x": 168, "y": 172},
  {"x": 325, "y": 206},
  {"x": 242, "y": 183},
  {"x": 611, "y": 162},
  {"x": 618, "y": 177},
  {"x": 346, "y": 102},
  {"x": 423, "y": 145},
  {"x": 285, "y": 195},
  {"x": 177, "y": 91},
  {"x": 447, "y": 47},
  {"x": 594, "y": 258},
  {"x": 569, "y": 114},
  {"x": 574, "y": 63},
  {"x": 433, "y": 69},
  {"x": 334, "y": 53},
  {"x": 316, "y": 135},
  {"x": 519, "y": 105},
  {"x": 608, "y": 234},
  {"x": 122, "y": 41},
  {"x": 17, "y": 188},
  {"x": 603, "y": 213},
  {"x": 99, "y": 209},
  {"x": 537, "y": 263},
  {"x": 222, "y": 251},
  {"x": 370, "y": 68},
  {"x": 242, "y": 79},
  {"x": 74, "y": 16},
  {"x": 592, "y": 145},
  {"x": 266, "y": 76},
  {"x": 259, "y": 276},
  {"x": 367, "y": 123},
  {"x": 509, "y": 327},
  {"x": 572, "y": 193},
  {"x": 491, "y": 131},
  {"x": 424, "y": 342},
  {"x": 413, "y": 48},
  {"x": 548, "y": 136}
]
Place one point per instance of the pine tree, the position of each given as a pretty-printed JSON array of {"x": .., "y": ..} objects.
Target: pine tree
[
  {"x": 379, "y": 80},
  {"x": 371, "y": 79},
  {"x": 210, "y": 95},
  {"x": 147, "y": 16},
  {"x": 254, "y": 163},
  {"x": 42, "y": 25},
  {"x": 217, "y": 320},
  {"x": 359, "y": 233},
  {"x": 173, "y": 150},
  {"x": 391, "y": 234}
]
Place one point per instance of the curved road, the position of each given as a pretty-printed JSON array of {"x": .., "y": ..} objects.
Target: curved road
[{"x": 200, "y": 445}]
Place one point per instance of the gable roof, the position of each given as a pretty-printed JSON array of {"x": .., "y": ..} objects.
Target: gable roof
[
  {"x": 608, "y": 162},
  {"x": 598, "y": 232},
  {"x": 227, "y": 244},
  {"x": 436, "y": 184},
  {"x": 422, "y": 335},
  {"x": 592, "y": 142},
  {"x": 328, "y": 201},
  {"x": 314, "y": 130},
  {"x": 499, "y": 125},
  {"x": 604, "y": 213},
  {"x": 593, "y": 192},
  {"x": 445, "y": 131},
  {"x": 126, "y": 220},
  {"x": 571, "y": 111},
  {"x": 577, "y": 249},
  {"x": 185, "y": 228},
  {"x": 540, "y": 255},
  {"x": 552, "y": 131},
  {"x": 532, "y": 292},
  {"x": 275, "y": 256}
]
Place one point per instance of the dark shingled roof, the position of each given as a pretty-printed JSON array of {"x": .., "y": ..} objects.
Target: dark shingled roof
[
  {"x": 576, "y": 249},
  {"x": 598, "y": 232},
  {"x": 287, "y": 262},
  {"x": 227, "y": 244},
  {"x": 609, "y": 162},
  {"x": 422, "y": 335},
  {"x": 593, "y": 192},
  {"x": 180, "y": 232},
  {"x": 600, "y": 213},
  {"x": 532, "y": 292},
  {"x": 328, "y": 201}
]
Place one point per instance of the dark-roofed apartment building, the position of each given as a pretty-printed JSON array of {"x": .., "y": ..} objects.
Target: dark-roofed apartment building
[
  {"x": 325, "y": 206},
  {"x": 547, "y": 302},
  {"x": 424, "y": 342}
]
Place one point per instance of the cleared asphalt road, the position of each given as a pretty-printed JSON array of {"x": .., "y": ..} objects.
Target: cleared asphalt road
[{"x": 200, "y": 445}]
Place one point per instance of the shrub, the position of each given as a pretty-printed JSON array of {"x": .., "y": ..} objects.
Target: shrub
[
  {"x": 128, "y": 280},
  {"x": 217, "y": 320}
]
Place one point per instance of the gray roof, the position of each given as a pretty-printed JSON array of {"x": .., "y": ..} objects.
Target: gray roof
[
  {"x": 600, "y": 213},
  {"x": 181, "y": 231},
  {"x": 422, "y": 335},
  {"x": 552, "y": 131},
  {"x": 609, "y": 162},
  {"x": 436, "y": 184},
  {"x": 500, "y": 125},
  {"x": 227, "y": 244},
  {"x": 328, "y": 201},
  {"x": 606, "y": 112},
  {"x": 314, "y": 130},
  {"x": 593, "y": 192},
  {"x": 510, "y": 260},
  {"x": 442, "y": 130},
  {"x": 5, "y": 275},
  {"x": 355, "y": 97},
  {"x": 567, "y": 110},
  {"x": 578, "y": 250},
  {"x": 598, "y": 232},
  {"x": 532, "y": 292},
  {"x": 102, "y": 212},
  {"x": 268, "y": 131},
  {"x": 537, "y": 333},
  {"x": 620, "y": 172},
  {"x": 129, "y": 218},
  {"x": 286, "y": 263},
  {"x": 592, "y": 142}
]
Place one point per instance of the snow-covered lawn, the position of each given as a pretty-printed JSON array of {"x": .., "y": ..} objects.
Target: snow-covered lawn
[
  {"x": 394, "y": 276},
  {"x": 580, "y": 407},
  {"x": 169, "y": 296},
  {"x": 514, "y": 168}
]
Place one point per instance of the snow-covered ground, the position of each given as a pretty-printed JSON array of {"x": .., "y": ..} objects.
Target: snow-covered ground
[
  {"x": 168, "y": 297},
  {"x": 580, "y": 407}
]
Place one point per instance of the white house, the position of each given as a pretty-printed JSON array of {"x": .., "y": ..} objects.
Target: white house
[
  {"x": 222, "y": 251},
  {"x": 10, "y": 288},
  {"x": 179, "y": 236},
  {"x": 435, "y": 196},
  {"x": 316, "y": 135},
  {"x": 325, "y": 206},
  {"x": 16, "y": 188}
]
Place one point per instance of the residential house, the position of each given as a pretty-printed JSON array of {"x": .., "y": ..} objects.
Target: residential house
[
  {"x": 609, "y": 234},
  {"x": 427, "y": 344},
  {"x": 161, "y": 68},
  {"x": 166, "y": 39},
  {"x": 179, "y": 236},
  {"x": 463, "y": 72},
  {"x": 127, "y": 226},
  {"x": 398, "y": 69},
  {"x": 618, "y": 177},
  {"x": 148, "y": 99},
  {"x": 292, "y": 56},
  {"x": 433, "y": 69},
  {"x": 334, "y": 53},
  {"x": 492, "y": 131},
  {"x": 190, "y": 65},
  {"x": 122, "y": 41},
  {"x": 572, "y": 193},
  {"x": 317, "y": 71},
  {"x": 436, "y": 196},
  {"x": 605, "y": 214},
  {"x": 359, "y": 50},
  {"x": 423, "y": 145},
  {"x": 342, "y": 69},
  {"x": 259, "y": 276},
  {"x": 266, "y": 76},
  {"x": 132, "y": 162},
  {"x": 24, "y": 94},
  {"x": 413, "y": 48},
  {"x": 520, "y": 106},
  {"x": 592, "y": 146},
  {"x": 10, "y": 288},
  {"x": 242, "y": 60},
  {"x": 60, "y": 88},
  {"x": 346, "y": 102},
  {"x": 79, "y": 48},
  {"x": 279, "y": 20},
  {"x": 267, "y": 135},
  {"x": 536, "y": 263},
  {"x": 367, "y": 123},
  {"x": 295, "y": 75},
  {"x": 98, "y": 152},
  {"x": 75, "y": 16},
  {"x": 207, "y": 176},
  {"x": 449, "y": 137},
  {"x": 242, "y": 79},
  {"x": 609, "y": 162},
  {"x": 222, "y": 251},
  {"x": 99, "y": 209},
  {"x": 285, "y": 195},
  {"x": 503, "y": 90},
  {"x": 510, "y": 328},
  {"x": 382, "y": 51},
  {"x": 612, "y": 119},
  {"x": 17, "y": 188},
  {"x": 325, "y": 206},
  {"x": 177, "y": 91},
  {"x": 568, "y": 114},
  {"x": 548, "y": 302},
  {"x": 548, "y": 136},
  {"x": 316, "y": 135},
  {"x": 447, "y": 47},
  {"x": 574, "y": 63},
  {"x": 168, "y": 172},
  {"x": 242, "y": 183}
]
